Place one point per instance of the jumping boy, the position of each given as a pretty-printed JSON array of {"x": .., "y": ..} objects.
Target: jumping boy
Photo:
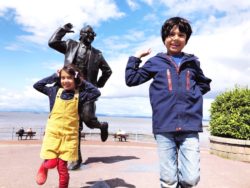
[{"x": 176, "y": 96}]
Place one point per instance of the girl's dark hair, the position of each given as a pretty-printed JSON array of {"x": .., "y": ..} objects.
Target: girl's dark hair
[
  {"x": 182, "y": 24},
  {"x": 73, "y": 71}
]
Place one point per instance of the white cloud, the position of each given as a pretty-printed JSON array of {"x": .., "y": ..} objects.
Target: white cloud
[
  {"x": 28, "y": 99},
  {"x": 208, "y": 7},
  {"x": 16, "y": 47},
  {"x": 129, "y": 106},
  {"x": 206, "y": 108},
  {"x": 222, "y": 44},
  {"x": 223, "y": 55},
  {"x": 132, "y": 4},
  {"x": 221, "y": 40},
  {"x": 46, "y": 16},
  {"x": 54, "y": 66},
  {"x": 148, "y": 2},
  {"x": 152, "y": 18},
  {"x": 116, "y": 86}
]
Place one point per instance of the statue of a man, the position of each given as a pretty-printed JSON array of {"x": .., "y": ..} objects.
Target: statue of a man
[{"x": 89, "y": 60}]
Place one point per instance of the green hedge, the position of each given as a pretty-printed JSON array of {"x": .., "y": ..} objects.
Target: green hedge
[{"x": 230, "y": 114}]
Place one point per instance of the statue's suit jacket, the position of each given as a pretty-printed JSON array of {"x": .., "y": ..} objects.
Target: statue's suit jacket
[{"x": 96, "y": 60}]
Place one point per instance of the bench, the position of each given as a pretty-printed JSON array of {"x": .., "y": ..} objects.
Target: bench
[
  {"x": 26, "y": 135},
  {"x": 121, "y": 137},
  {"x": 82, "y": 135}
]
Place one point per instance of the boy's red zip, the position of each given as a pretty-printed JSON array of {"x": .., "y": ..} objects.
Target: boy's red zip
[
  {"x": 169, "y": 78},
  {"x": 170, "y": 87},
  {"x": 188, "y": 80}
]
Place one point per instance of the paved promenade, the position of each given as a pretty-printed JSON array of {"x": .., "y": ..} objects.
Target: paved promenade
[{"x": 113, "y": 165}]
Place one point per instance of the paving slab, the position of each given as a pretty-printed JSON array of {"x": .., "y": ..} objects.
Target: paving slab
[{"x": 112, "y": 165}]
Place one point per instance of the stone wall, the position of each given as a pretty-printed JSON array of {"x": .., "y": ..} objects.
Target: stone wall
[{"x": 230, "y": 148}]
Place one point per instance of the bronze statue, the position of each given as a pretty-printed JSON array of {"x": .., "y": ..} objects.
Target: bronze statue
[{"x": 89, "y": 60}]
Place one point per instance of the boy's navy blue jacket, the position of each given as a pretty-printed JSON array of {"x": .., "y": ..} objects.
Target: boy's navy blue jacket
[{"x": 175, "y": 92}]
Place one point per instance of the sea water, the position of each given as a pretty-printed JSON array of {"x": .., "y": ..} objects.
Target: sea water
[{"x": 11, "y": 122}]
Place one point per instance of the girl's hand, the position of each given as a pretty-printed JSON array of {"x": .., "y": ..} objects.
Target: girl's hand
[
  {"x": 143, "y": 53},
  {"x": 58, "y": 72}
]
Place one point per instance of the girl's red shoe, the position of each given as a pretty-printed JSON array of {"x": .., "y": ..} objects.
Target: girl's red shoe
[{"x": 41, "y": 176}]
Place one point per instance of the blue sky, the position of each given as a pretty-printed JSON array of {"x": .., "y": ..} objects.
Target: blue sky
[{"x": 220, "y": 39}]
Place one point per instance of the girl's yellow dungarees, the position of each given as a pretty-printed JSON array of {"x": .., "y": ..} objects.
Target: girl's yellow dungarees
[{"x": 61, "y": 135}]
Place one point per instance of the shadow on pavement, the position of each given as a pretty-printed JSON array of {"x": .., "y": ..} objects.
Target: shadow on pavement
[
  {"x": 110, "y": 183},
  {"x": 111, "y": 159}
]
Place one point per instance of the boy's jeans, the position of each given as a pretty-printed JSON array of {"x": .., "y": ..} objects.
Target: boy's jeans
[{"x": 179, "y": 156}]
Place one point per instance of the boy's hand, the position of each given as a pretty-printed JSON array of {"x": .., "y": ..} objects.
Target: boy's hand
[{"x": 143, "y": 53}]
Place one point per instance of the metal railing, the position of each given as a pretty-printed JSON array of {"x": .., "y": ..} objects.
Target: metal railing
[{"x": 10, "y": 134}]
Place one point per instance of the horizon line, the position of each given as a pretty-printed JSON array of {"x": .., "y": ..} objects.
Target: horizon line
[{"x": 98, "y": 114}]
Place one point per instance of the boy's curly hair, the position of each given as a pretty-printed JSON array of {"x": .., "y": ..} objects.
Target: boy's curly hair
[{"x": 182, "y": 24}]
